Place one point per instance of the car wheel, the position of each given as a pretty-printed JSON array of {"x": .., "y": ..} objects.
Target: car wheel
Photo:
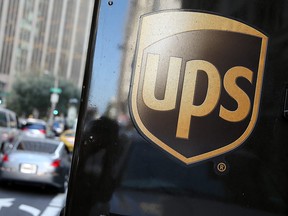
[{"x": 62, "y": 189}]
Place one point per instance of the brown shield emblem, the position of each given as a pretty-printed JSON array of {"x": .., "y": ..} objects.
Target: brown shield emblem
[{"x": 196, "y": 83}]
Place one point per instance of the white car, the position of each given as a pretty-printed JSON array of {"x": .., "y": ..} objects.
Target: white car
[{"x": 34, "y": 128}]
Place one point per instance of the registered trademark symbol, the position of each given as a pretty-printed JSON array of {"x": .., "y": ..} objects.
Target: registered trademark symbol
[{"x": 221, "y": 167}]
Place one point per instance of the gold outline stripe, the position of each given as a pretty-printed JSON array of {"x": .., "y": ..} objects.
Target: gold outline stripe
[{"x": 152, "y": 31}]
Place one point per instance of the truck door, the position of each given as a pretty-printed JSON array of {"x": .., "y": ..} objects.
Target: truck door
[{"x": 183, "y": 110}]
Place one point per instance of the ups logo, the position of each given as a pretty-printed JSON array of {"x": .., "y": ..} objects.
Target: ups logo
[{"x": 197, "y": 83}]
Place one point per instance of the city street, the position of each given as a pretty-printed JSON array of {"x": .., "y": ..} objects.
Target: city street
[{"x": 19, "y": 200}]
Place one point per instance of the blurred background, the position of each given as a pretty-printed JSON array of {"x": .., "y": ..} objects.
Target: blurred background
[{"x": 43, "y": 46}]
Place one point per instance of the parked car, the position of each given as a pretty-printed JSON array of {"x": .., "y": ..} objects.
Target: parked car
[
  {"x": 68, "y": 138},
  {"x": 36, "y": 161},
  {"x": 9, "y": 127},
  {"x": 34, "y": 128}
]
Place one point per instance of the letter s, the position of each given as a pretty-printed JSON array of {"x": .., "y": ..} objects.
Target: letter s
[{"x": 236, "y": 93}]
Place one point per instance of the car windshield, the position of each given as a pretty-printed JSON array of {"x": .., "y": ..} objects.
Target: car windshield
[
  {"x": 70, "y": 134},
  {"x": 37, "y": 146}
]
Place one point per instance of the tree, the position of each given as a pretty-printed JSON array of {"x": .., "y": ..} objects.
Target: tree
[{"x": 33, "y": 92}]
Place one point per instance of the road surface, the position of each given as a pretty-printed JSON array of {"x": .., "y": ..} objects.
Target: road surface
[{"x": 18, "y": 200}]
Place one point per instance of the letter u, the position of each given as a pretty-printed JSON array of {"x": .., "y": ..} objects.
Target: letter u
[{"x": 151, "y": 70}]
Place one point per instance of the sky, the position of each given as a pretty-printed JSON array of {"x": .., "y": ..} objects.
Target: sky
[{"x": 107, "y": 56}]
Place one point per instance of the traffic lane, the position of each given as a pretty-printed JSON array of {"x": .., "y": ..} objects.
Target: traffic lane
[{"x": 20, "y": 200}]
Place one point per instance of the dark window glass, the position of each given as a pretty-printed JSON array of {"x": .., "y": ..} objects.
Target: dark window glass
[
  {"x": 3, "y": 119},
  {"x": 34, "y": 146},
  {"x": 35, "y": 126}
]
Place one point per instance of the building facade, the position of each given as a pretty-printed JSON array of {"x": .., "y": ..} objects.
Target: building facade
[{"x": 43, "y": 36}]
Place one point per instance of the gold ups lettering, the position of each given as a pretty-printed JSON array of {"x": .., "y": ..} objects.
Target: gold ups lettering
[{"x": 187, "y": 107}]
